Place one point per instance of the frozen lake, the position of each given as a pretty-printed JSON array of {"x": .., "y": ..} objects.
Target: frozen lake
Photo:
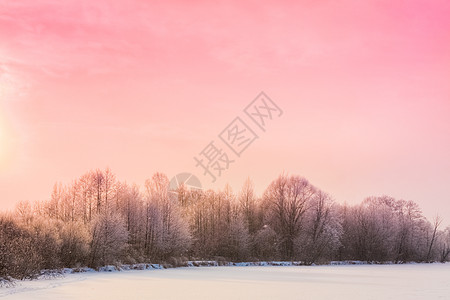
[{"x": 414, "y": 281}]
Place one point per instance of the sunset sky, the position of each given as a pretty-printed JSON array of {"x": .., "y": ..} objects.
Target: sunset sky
[{"x": 144, "y": 86}]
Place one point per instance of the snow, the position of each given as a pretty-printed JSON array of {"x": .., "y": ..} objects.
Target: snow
[{"x": 410, "y": 281}]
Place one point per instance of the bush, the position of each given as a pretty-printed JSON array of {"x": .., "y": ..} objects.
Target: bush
[{"x": 19, "y": 256}]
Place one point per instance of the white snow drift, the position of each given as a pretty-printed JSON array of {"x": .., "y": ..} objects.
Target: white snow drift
[{"x": 411, "y": 281}]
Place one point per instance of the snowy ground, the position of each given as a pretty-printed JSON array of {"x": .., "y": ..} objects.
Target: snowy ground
[{"x": 413, "y": 281}]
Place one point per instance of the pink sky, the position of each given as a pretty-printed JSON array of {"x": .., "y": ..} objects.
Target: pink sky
[{"x": 143, "y": 86}]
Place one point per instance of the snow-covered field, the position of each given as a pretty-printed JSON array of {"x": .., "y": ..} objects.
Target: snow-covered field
[{"x": 412, "y": 281}]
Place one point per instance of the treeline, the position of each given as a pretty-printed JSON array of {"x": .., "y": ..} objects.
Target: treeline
[{"x": 97, "y": 220}]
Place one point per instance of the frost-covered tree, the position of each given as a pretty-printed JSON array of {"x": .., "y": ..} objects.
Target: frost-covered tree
[
  {"x": 444, "y": 242},
  {"x": 202, "y": 222},
  {"x": 23, "y": 251},
  {"x": 385, "y": 229},
  {"x": 369, "y": 230},
  {"x": 46, "y": 241},
  {"x": 99, "y": 220},
  {"x": 322, "y": 230},
  {"x": 409, "y": 217},
  {"x": 167, "y": 232},
  {"x": 17, "y": 256},
  {"x": 431, "y": 253},
  {"x": 130, "y": 206},
  {"x": 265, "y": 243},
  {"x": 234, "y": 236},
  {"x": 109, "y": 237},
  {"x": 238, "y": 239},
  {"x": 248, "y": 206},
  {"x": 74, "y": 243},
  {"x": 287, "y": 199}
]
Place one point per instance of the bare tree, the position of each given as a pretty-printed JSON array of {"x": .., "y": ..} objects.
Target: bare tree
[
  {"x": 409, "y": 217},
  {"x": 323, "y": 229},
  {"x": 98, "y": 180},
  {"x": 436, "y": 223},
  {"x": 265, "y": 243},
  {"x": 86, "y": 196},
  {"x": 247, "y": 202},
  {"x": 445, "y": 245},
  {"x": 288, "y": 199},
  {"x": 98, "y": 220}
]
